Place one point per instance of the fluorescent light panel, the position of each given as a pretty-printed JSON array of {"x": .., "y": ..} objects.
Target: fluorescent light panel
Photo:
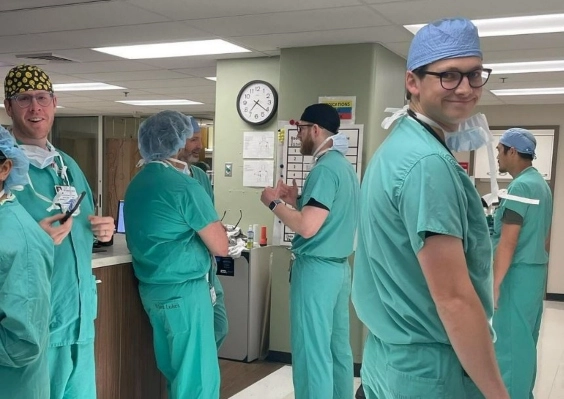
[
  {"x": 529, "y": 92},
  {"x": 526, "y": 67},
  {"x": 532, "y": 24},
  {"x": 84, "y": 86},
  {"x": 159, "y": 102},
  {"x": 177, "y": 49},
  {"x": 214, "y": 78}
]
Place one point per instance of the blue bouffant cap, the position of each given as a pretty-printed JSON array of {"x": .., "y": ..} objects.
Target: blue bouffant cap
[
  {"x": 443, "y": 39},
  {"x": 521, "y": 139},
  {"x": 162, "y": 135}
]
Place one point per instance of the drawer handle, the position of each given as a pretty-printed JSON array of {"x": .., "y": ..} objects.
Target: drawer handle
[{"x": 98, "y": 281}]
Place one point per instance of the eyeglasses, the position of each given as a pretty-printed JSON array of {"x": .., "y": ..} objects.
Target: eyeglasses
[
  {"x": 450, "y": 80},
  {"x": 300, "y": 126},
  {"x": 25, "y": 100}
]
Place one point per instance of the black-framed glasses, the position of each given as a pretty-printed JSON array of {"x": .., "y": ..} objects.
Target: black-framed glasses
[
  {"x": 300, "y": 126},
  {"x": 24, "y": 100},
  {"x": 450, "y": 80}
]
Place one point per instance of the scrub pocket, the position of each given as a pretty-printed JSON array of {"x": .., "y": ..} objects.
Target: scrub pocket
[
  {"x": 403, "y": 385},
  {"x": 91, "y": 301},
  {"x": 172, "y": 316}
]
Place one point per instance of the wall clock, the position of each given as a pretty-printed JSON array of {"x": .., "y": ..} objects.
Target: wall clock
[{"x": 257, "y": 102}]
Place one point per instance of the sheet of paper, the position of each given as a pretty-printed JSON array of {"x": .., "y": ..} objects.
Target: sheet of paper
[
  {"x": 258, "y": 173},
  {"x": 258, "y": 145}
]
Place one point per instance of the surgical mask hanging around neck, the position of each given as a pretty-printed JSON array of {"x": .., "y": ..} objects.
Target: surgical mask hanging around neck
[
  {"x": 39, "y": 157},
  {"x": 472, "y": 134},
  {"x": 184, "y": 169},
  {"x": 340, "y": 144}
]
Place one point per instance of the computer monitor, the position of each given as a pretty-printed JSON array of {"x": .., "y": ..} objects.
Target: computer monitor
[{"x": 120, "y": 228}]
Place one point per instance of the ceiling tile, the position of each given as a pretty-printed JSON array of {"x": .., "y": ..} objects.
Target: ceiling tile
[
  {"x": 291, "y": 22},
  {"x": 197, "y": 9},
  {"x": 95, "y": 15},
  {"x": 127, "y": 76}
]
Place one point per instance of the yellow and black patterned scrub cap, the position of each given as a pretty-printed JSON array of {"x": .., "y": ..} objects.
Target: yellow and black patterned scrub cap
[{"x": 24, "y": 78}]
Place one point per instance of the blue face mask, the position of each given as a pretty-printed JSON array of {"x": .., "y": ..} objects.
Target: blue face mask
[
  {"x": 472, "y": 134},
  {"x": 340, "y": 143}
]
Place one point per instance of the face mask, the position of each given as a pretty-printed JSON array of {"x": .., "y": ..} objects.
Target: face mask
[
  {"x": 340, "y": 143},
  {"x": 39, "y": 157},
  {"x": 472, "y": 134}
]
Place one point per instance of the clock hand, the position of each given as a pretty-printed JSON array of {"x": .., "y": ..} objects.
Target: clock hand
[{"x": 257, "y": 103}]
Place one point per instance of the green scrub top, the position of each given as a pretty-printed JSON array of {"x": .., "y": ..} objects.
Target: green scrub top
[
  {"x": 536, "y": 218},
  {"x": 332, "y": 182},
  {"x": 413, "y": 185},
  {"x": 26, "y": 266},
  {"x": 204, "y": 180},
  {"x": 74, "y": 298},
  {"x": 163, "y": 211}
]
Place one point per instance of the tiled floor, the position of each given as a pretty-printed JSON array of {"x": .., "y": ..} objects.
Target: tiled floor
[{"x": 550, "y": 375}]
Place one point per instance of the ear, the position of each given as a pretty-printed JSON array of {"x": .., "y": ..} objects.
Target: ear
[
  {"x": 5, "y": 169},
  {"x": 412, "y": 83},
  {"x": 8, "y": 107},
  {"x": 55, "y": 102}
]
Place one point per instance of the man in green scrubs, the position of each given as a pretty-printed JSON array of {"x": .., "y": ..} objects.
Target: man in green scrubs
[
  {"x": 172, "y": 228},
  {"x": 26, "y": 265},
  {"x": 521, "y": 232},
  {"x": 422, "y": 274},
  {"x": 324, "y": 220},
  {"x": 191, "y": 154},
  {"x": 55, "y": 183}
]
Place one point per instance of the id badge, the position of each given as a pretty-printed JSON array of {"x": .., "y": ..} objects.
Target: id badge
[
  {"x": 65, "y": 198},
  {"x": 213, "y": 295}
]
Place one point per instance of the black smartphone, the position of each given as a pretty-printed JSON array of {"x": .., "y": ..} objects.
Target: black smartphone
[{"x": 72, "y": 210}]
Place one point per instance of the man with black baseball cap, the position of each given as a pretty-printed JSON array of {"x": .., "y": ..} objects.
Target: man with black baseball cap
[{"x": 324, "y": 219}]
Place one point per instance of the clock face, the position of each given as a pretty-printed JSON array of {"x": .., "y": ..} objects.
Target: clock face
[{"x": 257, "y": 102}]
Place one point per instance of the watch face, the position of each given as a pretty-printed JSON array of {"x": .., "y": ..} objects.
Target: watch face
[{"x": 257, "y": 102}]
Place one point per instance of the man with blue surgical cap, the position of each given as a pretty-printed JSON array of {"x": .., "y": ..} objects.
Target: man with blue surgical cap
[
  {"x": 190, "y": 154},
  {"x": 172, "y": 230},
  {"x": 56, "y": 181},
  {"x": 324, "y": 220},
  {"x": 423, "y": 275},
  {"x": 521, "y": 232},
  {"x": 26, "y": 265}
]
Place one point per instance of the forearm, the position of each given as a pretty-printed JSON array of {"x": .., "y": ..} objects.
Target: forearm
[
  {"x": 468, "y": 330},
  {"x": 502, "y": 261},
  {"x": 292, "y": 218}
]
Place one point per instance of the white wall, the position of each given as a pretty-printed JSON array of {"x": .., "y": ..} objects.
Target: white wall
[{"x": 531, "y": 115}]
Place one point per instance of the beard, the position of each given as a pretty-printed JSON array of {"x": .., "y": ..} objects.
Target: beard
[{"x": 306, "y": 147}]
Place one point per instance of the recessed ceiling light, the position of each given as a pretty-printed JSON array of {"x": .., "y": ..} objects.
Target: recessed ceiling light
[
  {"x": 177, "y": 49},
  {"x": 214, "y": 78},
  {"x": 84, "y": 86},
  {"x": 159, "y": 102},
  {"x": 526, "y": 67},
  {"x": 529, "y": 92},
  {"x": 532, "y": 24}
]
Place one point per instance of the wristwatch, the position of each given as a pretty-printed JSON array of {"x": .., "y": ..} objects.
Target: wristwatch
[{"x": 274, "y": 204}]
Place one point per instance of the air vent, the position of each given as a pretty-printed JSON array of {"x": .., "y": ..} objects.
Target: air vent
[{"x": 45, "y": 57}]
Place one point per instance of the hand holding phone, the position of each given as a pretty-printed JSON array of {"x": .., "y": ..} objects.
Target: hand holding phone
[{"x": 72, "y": 210}]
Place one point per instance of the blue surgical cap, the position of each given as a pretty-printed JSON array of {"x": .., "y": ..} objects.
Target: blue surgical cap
[
  {"x": 195, "y": 125},
  {"x": 162, "y": 135},
  {"x": 443, "y": 39},
  {"x": 521, "y": 139},
  {"x": 20, "y": 163}
]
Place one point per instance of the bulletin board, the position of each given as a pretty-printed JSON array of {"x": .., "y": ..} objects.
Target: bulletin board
[{"x": 293, "y": 165}]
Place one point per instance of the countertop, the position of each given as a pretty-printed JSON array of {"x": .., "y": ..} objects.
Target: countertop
[{"x": 114, "y": 255}]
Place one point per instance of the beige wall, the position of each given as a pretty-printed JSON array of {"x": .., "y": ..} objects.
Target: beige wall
[
  {"x": 4, "y": 118},
  {"x": 530, "y": 115}
]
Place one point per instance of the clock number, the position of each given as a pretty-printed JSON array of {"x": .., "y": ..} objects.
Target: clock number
[
  {"x": 262, "y": 114},
  {"x": 256, "y": 116},
  {"x": 269, "y": 102},
  {"x": 267, "y": 95},
  {"x": 247, "y": 96},
  {"x": 246, "y": 109},
  {"x": 245, "y": 102}
]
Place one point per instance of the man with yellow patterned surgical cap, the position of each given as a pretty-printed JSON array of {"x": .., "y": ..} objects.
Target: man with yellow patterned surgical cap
[{"x": 56, "y": 181}]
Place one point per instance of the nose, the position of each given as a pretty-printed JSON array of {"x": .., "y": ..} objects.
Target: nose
[{"x": 464, "y": 86}]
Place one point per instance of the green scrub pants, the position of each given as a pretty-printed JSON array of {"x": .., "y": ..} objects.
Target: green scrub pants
[
  {"x": 72, "y": 371},
  {"x": 183, "y": 337},
  {"x": 322, "y": 362},
  {"x": 414, "y": 371},
  {"x": 220, "y": 324},
  {"x": 517, "y": 323},
  {"x": 28, "y": 382}
]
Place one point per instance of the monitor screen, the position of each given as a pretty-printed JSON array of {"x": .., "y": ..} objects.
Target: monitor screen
[{"x": 120, "y": 225}]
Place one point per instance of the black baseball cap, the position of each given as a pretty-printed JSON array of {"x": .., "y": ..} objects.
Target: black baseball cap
[{"x": 323, "y": 115}]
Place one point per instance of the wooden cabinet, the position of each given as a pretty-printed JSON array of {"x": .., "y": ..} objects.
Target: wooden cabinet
[
  {"x": 125, "y": 361},
  {"x": 543, "y": 161}
]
